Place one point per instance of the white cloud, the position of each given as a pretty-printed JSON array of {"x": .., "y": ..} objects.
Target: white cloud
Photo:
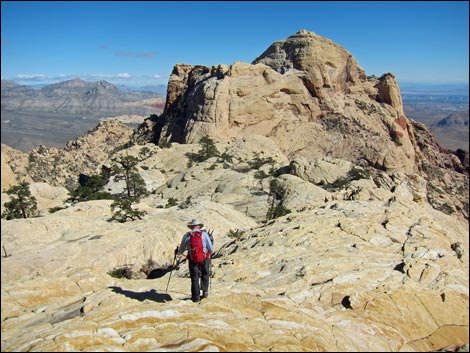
[
  {"x": 38, "y": 77},
  {"x": 123, "y": 75}
]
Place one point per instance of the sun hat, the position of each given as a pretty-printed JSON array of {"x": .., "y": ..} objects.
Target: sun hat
[{"x": 195, "y": 222}]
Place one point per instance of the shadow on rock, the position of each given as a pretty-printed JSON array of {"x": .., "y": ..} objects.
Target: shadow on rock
[
  {"x": 160, "y": 272},
  {"x": 141, "y": 296}
]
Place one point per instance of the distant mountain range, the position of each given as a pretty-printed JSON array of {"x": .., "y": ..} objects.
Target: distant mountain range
[
  {"x": 56, "y": 113},
  {"x": 458, "y": 119},
  {"x": 77, "y": 97}
]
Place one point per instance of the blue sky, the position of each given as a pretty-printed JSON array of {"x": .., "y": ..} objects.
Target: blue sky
[{"x": 137, "y": 43}]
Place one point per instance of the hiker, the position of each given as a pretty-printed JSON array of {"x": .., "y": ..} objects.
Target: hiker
[{"x": 199, "y": 246}]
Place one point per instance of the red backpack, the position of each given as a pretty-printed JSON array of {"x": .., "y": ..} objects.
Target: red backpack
[{"x": 196, "y": 252}]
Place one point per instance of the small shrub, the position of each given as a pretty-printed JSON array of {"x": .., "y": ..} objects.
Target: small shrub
[
  {"x": 235, "y": 233},
  {"x": 277, "y": 211},
  {"x": 353, "y": 174},
  {"x": 148, "y": 266},
  {"x": 121, "y": 272},
  {"x": 171, "y": 202},
  {"x": 55, "y": 209},
  {"x": 164, "y": 143},
  {"x": 144, "y": 153},
  {"x": 258, "y": 161},
  {"x": 224, "y": 157},
  {"x": 261, "y": 174},
  {"x": 185, "y": 204}
]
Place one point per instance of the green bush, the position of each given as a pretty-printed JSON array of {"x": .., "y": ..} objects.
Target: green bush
[
  {"x": 144, "y": 153},
  {"x": 261, "y": 174},
  {"x": 185, "y": 204},
  {"x": 224, "y": 157},
  {"x": 164, "y": 143},
  {"x": 148, "y": 266},
  {"x": 277, "y": 211},
  {"x": 353, "y": 174},
  {"x": 55, "y": 209},
  {"x": 258, "y": 161},
  {"x": 171, "y": 202},
  {"x": 121, "y": 272},
  {"x": 91, "y": 191},
  {"x": 236, "y": 234}
]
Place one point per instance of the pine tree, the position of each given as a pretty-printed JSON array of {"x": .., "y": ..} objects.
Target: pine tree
[
  {"x": 22, "y": 203},
  {"x": 208, "y": 148},
  {"x": 123, "y": 211},
  {"x": 125, "y": 168}
]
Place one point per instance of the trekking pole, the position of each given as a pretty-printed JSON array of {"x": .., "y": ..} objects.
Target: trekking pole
[
  {"x": 210, "y": 276},
  {"x": 211, "y": 236},
  {"x": 172, "y": 267}
]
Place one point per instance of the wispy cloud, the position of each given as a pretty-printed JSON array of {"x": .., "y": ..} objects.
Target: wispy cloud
[
  {"x": 123, "y": 75},
  {"x": 103, "y": 46},
  {"x": 127, "y": 54},
  {"x": 149, "y": 55},
  {"x": 35, "y": 77}
]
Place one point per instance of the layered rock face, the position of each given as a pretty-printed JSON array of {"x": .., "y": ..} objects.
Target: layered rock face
[{"x": 306, "y": 93}]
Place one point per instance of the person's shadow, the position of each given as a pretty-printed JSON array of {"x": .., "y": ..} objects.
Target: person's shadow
[{"x": 141, "y": 296}]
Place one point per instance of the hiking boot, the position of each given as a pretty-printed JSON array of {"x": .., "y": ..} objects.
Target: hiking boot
[
  {"x": 196, "y": 299},
  {"x": 205, "y": 294}
]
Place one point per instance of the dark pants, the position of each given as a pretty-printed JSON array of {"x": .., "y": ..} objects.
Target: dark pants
[{"x": 194, "y": 268}]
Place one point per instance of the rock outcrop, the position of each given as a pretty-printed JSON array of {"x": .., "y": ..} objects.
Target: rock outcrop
[
  {"x": 61, "y": 167},
  {"x": 310, "y": 96},
  {"x": 306, "y": 93}
]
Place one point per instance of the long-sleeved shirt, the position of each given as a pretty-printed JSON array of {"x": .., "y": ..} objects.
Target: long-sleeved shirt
[{"x": 206, "y": 242}]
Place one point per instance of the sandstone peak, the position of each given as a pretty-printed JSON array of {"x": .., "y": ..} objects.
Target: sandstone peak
[
  {"x": 327, "y": 64},
  {"x": 310, "y": 96}
]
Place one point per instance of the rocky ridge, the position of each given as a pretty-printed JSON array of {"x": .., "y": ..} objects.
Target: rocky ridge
[
  {"x": 361, "y": 262},
  {"x": 61, "y": 166}
]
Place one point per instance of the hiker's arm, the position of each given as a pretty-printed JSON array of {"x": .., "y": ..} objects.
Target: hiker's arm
[
  {"x": 182, "y": 247},
  {"x": 209, "y": 245}
]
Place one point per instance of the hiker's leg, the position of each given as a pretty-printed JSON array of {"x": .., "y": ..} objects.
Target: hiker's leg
[
  {"x": 205, "y": 271},
  {"x": 194, "y": 273}
]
